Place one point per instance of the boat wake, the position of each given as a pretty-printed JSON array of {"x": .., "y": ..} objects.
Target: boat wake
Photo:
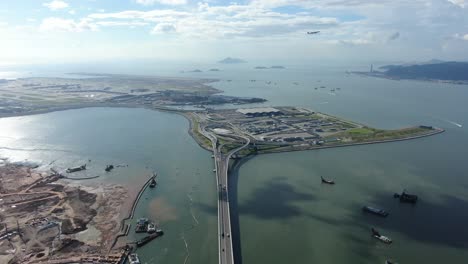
[
  {"x": 454, "y": 123},
  {"x": 191, "y": 209},
  {"x": 186, "y": 249}
]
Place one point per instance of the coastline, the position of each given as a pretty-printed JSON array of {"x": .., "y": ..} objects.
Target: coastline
[
  {"x": 394, "y": 78},
  {"x": 192, "y": 130},
  {"x": 435, "y": 132}
]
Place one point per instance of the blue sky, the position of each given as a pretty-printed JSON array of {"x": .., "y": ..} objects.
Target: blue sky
[{"x": 86, "y": 30}]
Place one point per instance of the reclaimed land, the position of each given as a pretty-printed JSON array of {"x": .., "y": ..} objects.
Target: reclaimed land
[
  {"x": 45, "y": 216},
  {"x": 286, "y": 135}
]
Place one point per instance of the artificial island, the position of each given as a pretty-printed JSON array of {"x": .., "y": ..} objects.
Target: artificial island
[{"x": 44, "y": 215}]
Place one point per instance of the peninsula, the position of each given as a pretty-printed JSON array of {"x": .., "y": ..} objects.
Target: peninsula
[
  {"x": 282, "y": 129},
  {"x": 452, "y": 72}
]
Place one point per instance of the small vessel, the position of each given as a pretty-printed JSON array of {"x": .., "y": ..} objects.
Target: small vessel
[
  {"x": 375, "y": 211},
  {"x": 133, "y": 258},
  {"x": 109, "y": 168},
  {"x": 390, "y": 262},
  {"x": 75, "y": 169},
  {"x": 406, "y": 197},
  {"x": 327, "y": 181},
  {"x": 151, "y": 228},
  {"x": 153, "y": 183},
  {"x": 141, "y": 225},
  {"x": 377, "y": 235}
]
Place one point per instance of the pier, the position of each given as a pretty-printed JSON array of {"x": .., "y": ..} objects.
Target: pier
[{"x": 125, "y": 228}]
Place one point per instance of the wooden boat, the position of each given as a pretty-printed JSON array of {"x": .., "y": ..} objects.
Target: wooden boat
[{"x": 327, "y": 181}]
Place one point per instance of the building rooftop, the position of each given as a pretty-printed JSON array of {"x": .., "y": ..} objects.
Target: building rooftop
[{"x": 259, "y": 110}]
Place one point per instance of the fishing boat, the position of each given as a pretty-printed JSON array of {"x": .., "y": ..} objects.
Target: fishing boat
[
  {"x": 376, "y": 211},
  {"x": 109, "y": 168},
  {"x": 75, "y": 169},
  {"x": 406, "y": 197},
  {"x": 153, "y": 183},
  {"x": 377, "y": 235},
  {"x": 133, "y": 258},
  {"x": 327, "y": 181}
]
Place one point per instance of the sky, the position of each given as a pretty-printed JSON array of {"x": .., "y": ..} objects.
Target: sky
[{"x": 41, "y": 31}]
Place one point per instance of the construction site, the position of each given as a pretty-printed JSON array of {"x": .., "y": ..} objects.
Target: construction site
[{"x": 47, "y": 219}]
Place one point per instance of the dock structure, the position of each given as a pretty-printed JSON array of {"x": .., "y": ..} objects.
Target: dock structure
[
  {"x": 221, "y": 162},
  {"x": 125, "y": 228}
]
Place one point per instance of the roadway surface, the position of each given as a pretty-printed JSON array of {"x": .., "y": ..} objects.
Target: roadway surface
[{"x": 226, "y": 255}]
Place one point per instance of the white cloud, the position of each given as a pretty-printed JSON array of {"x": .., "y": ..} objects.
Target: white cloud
[
  {"x": 121, "y": 23},
  {"x": 66, "y": 25},
  {"x": 224, "y": 21},
  {"x": 56, "y": 5},
  {"x": 460, "y": 3},
  {"x": 72, "y": 12},
  {"x": 164, "y": 28},
  {"x": 461, "y": 36},
  {"x": 164, "y": 2}
]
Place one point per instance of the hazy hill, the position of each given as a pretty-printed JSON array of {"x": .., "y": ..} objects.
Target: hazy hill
[
  {"x": 230, "y": 60},
  {"x": 455, "y": 71}
]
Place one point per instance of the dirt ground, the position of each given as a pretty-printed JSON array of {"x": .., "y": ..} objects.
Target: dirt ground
[{"x": 43, "y": 216}]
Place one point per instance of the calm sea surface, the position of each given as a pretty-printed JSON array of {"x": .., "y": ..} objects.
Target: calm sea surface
[{"x": 284, "y": 213}]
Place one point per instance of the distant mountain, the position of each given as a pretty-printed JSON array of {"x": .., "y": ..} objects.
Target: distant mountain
[
  {"x": 447, "y": 71},
  {"x": 433, "y": 61},
  {"x": 230, "y": 60}
]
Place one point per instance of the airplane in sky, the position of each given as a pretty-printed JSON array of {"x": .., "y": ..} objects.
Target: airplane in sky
[{"x": 313, "y": 32}]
